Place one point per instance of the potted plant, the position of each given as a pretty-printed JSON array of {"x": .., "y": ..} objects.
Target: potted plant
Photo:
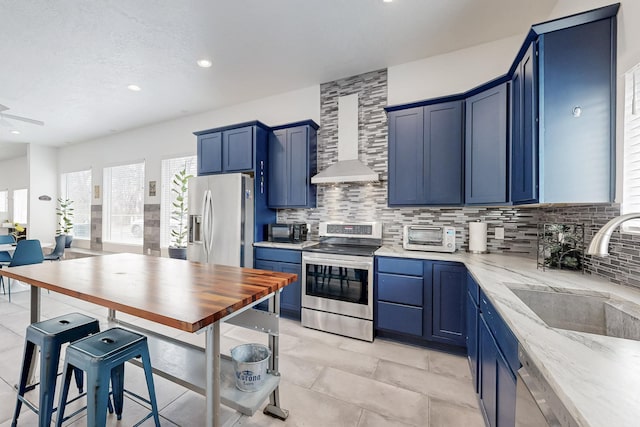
[
  {"x": 178, "y": 221},
  {"x": 65, "y": 220}
]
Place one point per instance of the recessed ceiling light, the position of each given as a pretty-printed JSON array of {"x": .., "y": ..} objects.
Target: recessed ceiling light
[
  {"x": 134, "y": 88},
  {"x": 387, "y": 1},
  {"x": 204, "y": 63},
  {"x": 15, "y": 132}
]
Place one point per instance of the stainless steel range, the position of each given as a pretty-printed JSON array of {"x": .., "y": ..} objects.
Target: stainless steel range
[{"x": 337, "y": 279}]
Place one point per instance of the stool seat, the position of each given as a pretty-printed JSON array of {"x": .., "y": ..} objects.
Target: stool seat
[
  {"x": 49, "y": 336},
  {"x": 102, "y": 357}
]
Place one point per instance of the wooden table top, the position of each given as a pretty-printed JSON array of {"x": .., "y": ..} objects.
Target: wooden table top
[{"x": 181, "y": 294}]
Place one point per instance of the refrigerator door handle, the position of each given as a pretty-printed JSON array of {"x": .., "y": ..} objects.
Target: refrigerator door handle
[
  {"x": 211, "y": 224},
  {"x": 205, "y": 224}
]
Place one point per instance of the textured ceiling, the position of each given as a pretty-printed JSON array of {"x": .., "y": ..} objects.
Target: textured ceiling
[{"x": 68, "y": 62}]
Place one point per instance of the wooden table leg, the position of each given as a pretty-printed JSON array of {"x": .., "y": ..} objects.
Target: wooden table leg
[{"x": 212, "y": 359}]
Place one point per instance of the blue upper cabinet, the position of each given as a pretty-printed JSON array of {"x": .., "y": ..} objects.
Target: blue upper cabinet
[
  {"x": 577, "y": 105},
  {"x": 524, "y": 130},
  {"x": 292, "y": 163},
  {"x": 486, "y": 147},
  {"x": 425, "y": 155},
  {"x": 236, "y": 148},
  {"x": 210, "y": 153}
]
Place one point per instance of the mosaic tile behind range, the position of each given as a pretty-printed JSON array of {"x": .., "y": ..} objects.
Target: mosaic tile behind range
[{"x": 368, "y": 202}]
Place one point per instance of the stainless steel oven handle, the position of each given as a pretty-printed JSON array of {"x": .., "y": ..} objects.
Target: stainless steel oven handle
[{"x": 339, "y": 262}]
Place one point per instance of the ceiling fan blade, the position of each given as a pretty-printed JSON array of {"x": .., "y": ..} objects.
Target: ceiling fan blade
[
  {"x": 24, "y": 119},
  {"x": 3, "y": 107}
]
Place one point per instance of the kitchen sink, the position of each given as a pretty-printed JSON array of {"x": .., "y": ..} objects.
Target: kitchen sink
[{"x": 593, "y": 313}]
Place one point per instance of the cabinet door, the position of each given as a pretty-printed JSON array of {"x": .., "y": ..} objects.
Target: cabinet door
[
  {"x": 486, "y": 147},
  {"x": 448, "y": 309},
  {"x": 472, "y": 339},
  {"x": 277, "y": 174},
  {"x": 578, "y": 101},
  {"x": 524, "y": 136},
  {"x": 210, "y": 153},
  {"x": 406, "y": 157},
  {"x": 298, "y": 179},
  {"x": 291, "y": 296},
  {"x": 488, "y": 373},
  {"x": 237, "y": 149},
  {"x": 443, "y": 153},
  {"x": 506, "y": 394}
]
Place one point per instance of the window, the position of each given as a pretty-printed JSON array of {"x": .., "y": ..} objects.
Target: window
[
  {"x": 20, "y": 203},
  {"x": 4, "y": 204},
  {"x": 169, "y": 168},
  {"x": 631, "y": 177},
  {"x": 124, "y": 204},
  {"x": 76, "y": 186}
]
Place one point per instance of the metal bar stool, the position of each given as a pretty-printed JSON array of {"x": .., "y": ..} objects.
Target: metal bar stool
[
  {"x": 102, "y": 357},
  {"x": 50, "y": 335}
]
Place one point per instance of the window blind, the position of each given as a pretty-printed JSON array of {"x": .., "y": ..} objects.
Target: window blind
[
  {"x": 631, "y": 165},
  {"x": 20, "y": 200},
  {"x": 4, "y": 201},
  {"x": 76, "y": 186},
  {"x": 169, "y": 168},
  {"x": 123, "y": 204}
]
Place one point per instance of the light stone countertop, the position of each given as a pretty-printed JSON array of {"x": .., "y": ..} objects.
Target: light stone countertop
[
  {"x": 597, "y": 378},
  {"x": 279, "y": 245}
]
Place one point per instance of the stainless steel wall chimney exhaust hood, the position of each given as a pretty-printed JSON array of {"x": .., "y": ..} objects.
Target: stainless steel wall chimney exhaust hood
[{"x": 348, "y": 168}]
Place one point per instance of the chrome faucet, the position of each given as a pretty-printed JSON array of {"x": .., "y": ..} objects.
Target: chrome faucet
[{"x": 599, "y": 245}]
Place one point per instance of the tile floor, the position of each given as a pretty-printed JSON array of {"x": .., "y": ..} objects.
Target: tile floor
[{"x": 328, "y": 380}]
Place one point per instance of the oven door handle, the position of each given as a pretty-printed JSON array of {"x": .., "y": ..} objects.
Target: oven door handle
[{"x": 364, "y": 265}]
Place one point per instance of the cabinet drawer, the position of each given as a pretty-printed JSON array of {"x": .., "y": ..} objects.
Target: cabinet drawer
[
  {"x": 473, "y": 288},
  {"x": 412, "y": 267},
  {"x": 400, "y": 289},
  {"x": 505, "y": 339},
  {"x": 399, "y": 318},
  {"x": 282, "y": 255}
]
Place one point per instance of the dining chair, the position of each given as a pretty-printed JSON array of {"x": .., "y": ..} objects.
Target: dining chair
[
  {"x": 27, "y": 252},
  {"x": 5, "y": 256},
  {"x": 58, "y": 252}
]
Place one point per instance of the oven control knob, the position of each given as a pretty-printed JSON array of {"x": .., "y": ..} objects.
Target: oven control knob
[{"x": 449, "y": 245}]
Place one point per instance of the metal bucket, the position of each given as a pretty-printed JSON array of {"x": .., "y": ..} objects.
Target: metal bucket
[{"x": 250, "y": 362}]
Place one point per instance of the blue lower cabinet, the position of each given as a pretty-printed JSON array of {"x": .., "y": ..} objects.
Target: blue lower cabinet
[
  {"x": 421, "y": 299},
  {"x": 449, "y": 309},
  {"x": 472, "y": 338},
  {"x": 286, "y": 261},
  {"x": 497, "y": 381}
]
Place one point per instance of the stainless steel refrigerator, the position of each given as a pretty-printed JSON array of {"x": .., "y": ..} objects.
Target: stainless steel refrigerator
[{"x": 221, "y": 219}]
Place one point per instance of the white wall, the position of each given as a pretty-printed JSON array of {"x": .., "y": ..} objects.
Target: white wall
[
  {"x": 14, "y": 174},
  {"x": 628, "y": 56},
  {"x": 452, "y": 72},
  {"x": 43, "y": 180}
]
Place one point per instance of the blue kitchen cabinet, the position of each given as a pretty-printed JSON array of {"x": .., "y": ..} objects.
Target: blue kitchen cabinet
[
  {"x": 448, "y": 324},
  {"x": 472, "y": 316},
  {"x": 237, "y": 149},
  {"x": 285, "y": 261},
  {"x": 498, "y": 364},
  {"x": 524, "y": 129},
  {"x": 426, "y": 155},
  {"x": 229, "y": 149},
  {"x": 486, "y": 147},
  {"x": 577, "y": 120},
  {"x": 210, "y": 153},
  {"x": 292, "y": 163},
  {"x": 420, "y": 300},
  {"x": 400, "y": 290}
]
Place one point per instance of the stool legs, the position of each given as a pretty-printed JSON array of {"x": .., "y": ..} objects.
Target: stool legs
[
  {"x": 146, "y": 363},
  {"x": 29, "y": 349}
]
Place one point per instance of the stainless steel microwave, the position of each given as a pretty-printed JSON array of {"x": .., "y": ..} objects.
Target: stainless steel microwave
[
  {"x": 429, "y": 238},
  {"x": 290, "y": 233}
]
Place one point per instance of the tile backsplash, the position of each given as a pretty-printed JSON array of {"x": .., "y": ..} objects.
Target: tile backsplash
[{"x": 368, "y": 202}]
